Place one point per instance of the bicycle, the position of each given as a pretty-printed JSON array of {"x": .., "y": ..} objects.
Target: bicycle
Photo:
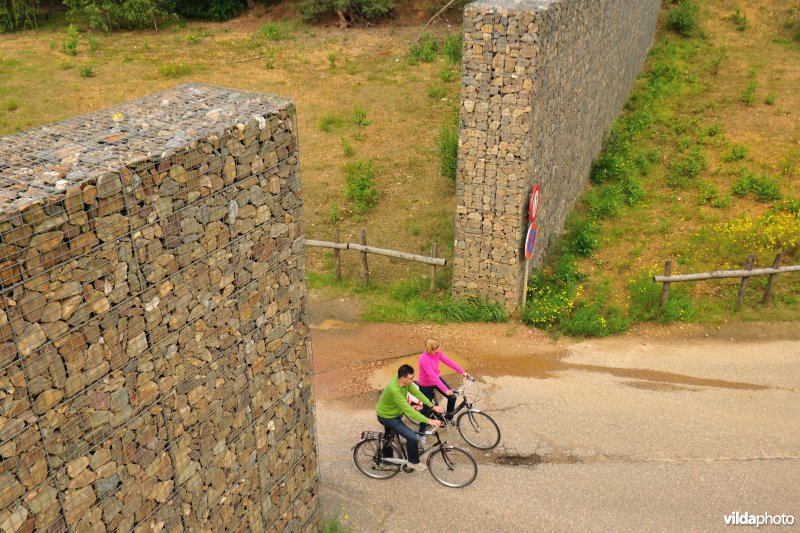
[
  {"x": 478, "y": 429},
  {"x": 450, "y": 466}
]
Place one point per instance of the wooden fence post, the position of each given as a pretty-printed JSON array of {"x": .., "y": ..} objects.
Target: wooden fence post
[
  {"x": 337, "y": 259},
  {"x": 433, "y": 267},
  {"x": 751, "y": 259},
  {"x": 665, "y": 288},
  {"x": 364, "y": 266},
  {"x": 771, "y": 279}
]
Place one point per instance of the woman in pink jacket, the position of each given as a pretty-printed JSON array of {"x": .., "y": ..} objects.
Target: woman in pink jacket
[{"x": 430, "y": 379}]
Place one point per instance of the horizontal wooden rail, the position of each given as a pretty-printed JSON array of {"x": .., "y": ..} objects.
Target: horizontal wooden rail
[
  {"x": 718, "y": 274},
  {"x": 438, "y": 261},
  {"x": 748, "y": 272}
]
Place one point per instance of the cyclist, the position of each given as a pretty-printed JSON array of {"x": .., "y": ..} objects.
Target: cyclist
[
  {"x": 392, "y": 405},
  {"x": 430, "y": 379}
]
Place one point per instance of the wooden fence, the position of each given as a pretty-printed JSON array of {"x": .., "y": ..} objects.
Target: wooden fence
[
  {"x": 745, "y": 274},
  {"x": 362, "y": 247}
]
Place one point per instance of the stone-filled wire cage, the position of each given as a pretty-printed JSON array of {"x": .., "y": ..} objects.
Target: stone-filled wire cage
[{"x": 155, "y": 369}]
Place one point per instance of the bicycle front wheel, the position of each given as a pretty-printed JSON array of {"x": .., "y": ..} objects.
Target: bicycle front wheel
[
  {"x": 452, "y": 467},
  {"x": 478, "y": 429},
  {"x": 368, "y": 457}
]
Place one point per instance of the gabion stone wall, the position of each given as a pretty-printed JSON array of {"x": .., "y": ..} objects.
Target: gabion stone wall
[
  {"x": 154, "y": 347},
  {"x": 542, "y": 80}
]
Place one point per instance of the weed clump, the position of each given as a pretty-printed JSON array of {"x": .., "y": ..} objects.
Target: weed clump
[
  {"x": 685, "y": 18},
  {"x": 360, "y": 185},
  {"x": 424, "y": 50}
]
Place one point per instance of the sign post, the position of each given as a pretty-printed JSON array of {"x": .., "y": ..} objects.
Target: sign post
[{"x": 530, "y": 240}]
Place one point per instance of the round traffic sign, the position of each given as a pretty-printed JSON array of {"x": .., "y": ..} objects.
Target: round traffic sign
[
  {"x": 530, "y": 241},
  {"x": 534, "y": 203}
]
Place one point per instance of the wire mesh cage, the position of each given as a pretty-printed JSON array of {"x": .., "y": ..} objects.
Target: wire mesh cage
[{"x": 154, "y": 366}]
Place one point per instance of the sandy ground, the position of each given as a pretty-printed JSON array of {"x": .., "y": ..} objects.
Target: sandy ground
[{"x": 662, "y": 429}]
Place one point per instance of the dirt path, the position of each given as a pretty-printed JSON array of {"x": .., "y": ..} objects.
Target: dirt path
[{"x": 665, "y": 419}]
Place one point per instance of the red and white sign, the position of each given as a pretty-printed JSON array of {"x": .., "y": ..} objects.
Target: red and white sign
[{"x": 534, "y": 204}]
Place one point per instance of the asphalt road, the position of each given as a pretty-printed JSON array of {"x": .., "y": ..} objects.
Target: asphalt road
[{"x": 659, "y": 433}]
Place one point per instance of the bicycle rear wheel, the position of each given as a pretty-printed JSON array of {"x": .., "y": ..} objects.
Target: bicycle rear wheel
[
  {"x": 368, "y": 457},
  {"x": 452, "y": 467},
  {"x": 478, "y": 429}
]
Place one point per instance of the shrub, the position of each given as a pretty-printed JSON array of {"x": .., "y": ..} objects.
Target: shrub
[
  {"x": 452, "y": 48},
  {"x": 110, "y": 15},
  {"x": 748, "y": 95},
  {"x": 92, "y": 42},
  {"x": 10, "y": 105},
  {"x": 645, "y": 301},
  {"x": 18, "y": 14},
  {"x": 765, "y": 189},
  {"x": 685, "y": 18},
  {"x": 581, "y": 238},
  {"x": 70, "y": 44},
  {"x": 740, "y": 19},
  {"x": 269, "y": 60},
  {"x": 446, "y": 75},
  {"x": 684, "y": 168},
  {"x": 736, "y": 153},
  {"x": 356, "y": 11},
  {"x": 333, "y": 212},
  {"x": 769, "y": 99},
  {"x": 424, "y": 50},
  {"x": 87, "y": 72},
  {"x": 437, "y": 91},
  {"x": 360, "y": 185},
  {"x": 347, "y": 148},
  {"x": 594, "y": 319},
  {"x": 447, "y": 145},
  {"x": 549, "y": 301},
  {"x": 359, "y": 117},
  {"x": 209, "y": 9}
]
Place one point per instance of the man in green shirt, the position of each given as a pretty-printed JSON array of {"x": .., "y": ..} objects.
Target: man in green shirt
[{"x": 393, "y": 405}]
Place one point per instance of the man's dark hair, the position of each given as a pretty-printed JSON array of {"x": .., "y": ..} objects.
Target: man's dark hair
[{"x": 405, "y": 371}]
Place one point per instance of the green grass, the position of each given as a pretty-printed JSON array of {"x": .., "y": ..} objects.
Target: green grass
[
  {"x": 175, "y": 70},
  {"x": 330, "y": 121},
  {"x": 425, "y": 50},
  {"x": 279, "y": 31}
]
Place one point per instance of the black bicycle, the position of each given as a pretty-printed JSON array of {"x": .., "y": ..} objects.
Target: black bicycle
[
  {"x": 381, "y": 455},
  {"x": 477, "y": 428}
]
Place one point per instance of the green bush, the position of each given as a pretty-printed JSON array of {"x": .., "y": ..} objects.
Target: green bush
[
  {"x": 446, "y": 75},
  {"x": 550, "y": 301},
  {"x": 447, "y": 146},
  {"x": 740, "y": 19},
  {"x": 360, "y": 185},
  {"x": 645, "y": 301},
  {"x": 685, "y": 18},
  {"x": 347, "y": 147},
  {"x": 87, "y": 72},
  {"x": 769, "y": 99},
  {"x": 209, "y": 9},
  {"x": 424, "y": 50},
  {"x": 736, "y": 153},
  {"x": 357, "y": 11},
  {"x": 687, "y": 166},
  {"x": 581, "y": 238},
  {"x": 764, "y": 188},
  {"x": 748, "y": 95},
  {"x": 594, "y": 319},
  {"x": 359, "y": 117},
  {"x": 452, "y": 48},
  {"x": 18, "y": 14},
  {"x": 110, "y": 15},
  {"x": 70, "y": 44}
]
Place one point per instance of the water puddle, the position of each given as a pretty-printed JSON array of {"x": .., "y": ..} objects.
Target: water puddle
[
  {"x": 332, "y": 323},
  {"x": 381, "y": 376},
  {"x": 553, "y": 365}
]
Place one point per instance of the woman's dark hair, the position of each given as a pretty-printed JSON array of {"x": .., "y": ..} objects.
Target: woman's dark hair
[{"x": 405, "y": 371}]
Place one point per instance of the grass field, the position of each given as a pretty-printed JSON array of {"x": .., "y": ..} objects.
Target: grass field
[{"x": 703, "y": 166}]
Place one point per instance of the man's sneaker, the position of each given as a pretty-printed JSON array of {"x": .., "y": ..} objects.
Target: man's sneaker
[{"x": 419, "y": 467}]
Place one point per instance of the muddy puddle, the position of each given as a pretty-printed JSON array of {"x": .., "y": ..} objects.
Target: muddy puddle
[{"x": 553, "y": 365}]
